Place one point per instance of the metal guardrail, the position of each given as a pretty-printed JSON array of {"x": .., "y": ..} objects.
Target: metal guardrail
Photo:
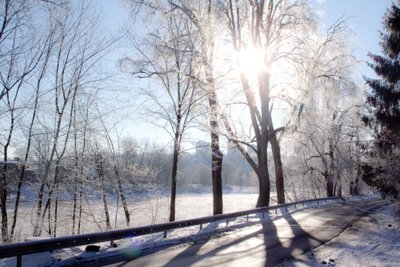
[{"x": 30, "y": 247}]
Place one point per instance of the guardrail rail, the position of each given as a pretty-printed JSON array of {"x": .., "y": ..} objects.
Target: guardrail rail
[{"x": 31, "y": 247}]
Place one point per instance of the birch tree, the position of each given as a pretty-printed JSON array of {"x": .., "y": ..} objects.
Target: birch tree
[
  {"x": 22, "y": 53},
  {"x": 74, "y": 57}
]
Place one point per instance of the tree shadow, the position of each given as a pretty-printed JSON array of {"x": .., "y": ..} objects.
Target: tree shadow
[
  {"x": 267, "y": 246},
  {"x": 219, "y": 252},
  {"x": 195, "y": 248},
  {"x": 278, "y": 247},
  {"x": 264, "y": 246},
  {"x": 125, "y": 256}
]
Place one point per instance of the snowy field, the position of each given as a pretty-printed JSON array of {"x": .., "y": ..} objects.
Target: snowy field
[{"x": 145, "y": 210}]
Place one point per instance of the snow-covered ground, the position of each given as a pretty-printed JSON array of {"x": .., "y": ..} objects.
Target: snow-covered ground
[
  {"x": 371, "y": 241},
  {"x": 144, "y": 210}
]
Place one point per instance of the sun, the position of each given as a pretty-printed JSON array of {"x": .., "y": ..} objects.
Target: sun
[{"x": 251, "y": 62}]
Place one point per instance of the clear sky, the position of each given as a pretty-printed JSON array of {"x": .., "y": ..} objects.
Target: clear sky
[{"x": 364, "y": 17}]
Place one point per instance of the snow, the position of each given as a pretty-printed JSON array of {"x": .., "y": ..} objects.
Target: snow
[
  {"x": 371, "y": 241},
  {"x": 145, "y": 210}
]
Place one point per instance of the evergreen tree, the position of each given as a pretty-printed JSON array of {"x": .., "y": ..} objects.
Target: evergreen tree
[{"x": 381, "y": 168}]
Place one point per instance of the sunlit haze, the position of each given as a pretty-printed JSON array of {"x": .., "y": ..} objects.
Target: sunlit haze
[{"x": 363, "y": 18}]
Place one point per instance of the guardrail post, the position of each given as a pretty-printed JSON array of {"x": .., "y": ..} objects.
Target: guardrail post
[
  {"x": 247, "y": 218},
  {"x": 201, "y": 226},
  {"x": 19, "y": 260},
  {"x": 165, "y": 234},
  {"x": 227, "y": 222}
]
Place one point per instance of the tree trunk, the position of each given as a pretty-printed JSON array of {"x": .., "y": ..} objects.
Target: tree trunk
[
  {"x": 80, "y": 206},
  {"x": 216, "y": 154},
  {"x": 3, "y": 203},
  {"x": 5, "y": 175},
  {"x": 55, "y": 212},
  {"x": 104, "y": 198},
  {"x": 263, "y": 185},
  {"x": 76, "y": 164},
  {"x": 75, "y": 202},
  {"x": 173, "y": 178},
  {"x": 17, "y": 198},
  {"x": 279, "y": 179},
  {"x": 356, "y": 190},
  {"x": 263, "y": 173},
  {"x": 338, "y": 187},
  {"x": 37, "y": 225},
  {"x": 122, "y": 196},
  {"x": 207, "y": 47},
  {"x": 100, "y": 172},
  {"x": 54, "y": 186},
  {"x": 262, "y": 142},
  {"x": 48, "y": 208},
  {"x": 216, "y": 157},
  {"x": 276, "y": 153},
  {"x": 329, "y": 188},
  {"x": 330, "y": 185}
]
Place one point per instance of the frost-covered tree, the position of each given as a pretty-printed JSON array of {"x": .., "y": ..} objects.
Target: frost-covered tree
[
  {"x": 324, "y": 131},
  {"x": 267, "y": 37},
  {"x": 167, "y": 56},
  {"x": 381, "y": 168},
  {"x": 202, "y": 19}
]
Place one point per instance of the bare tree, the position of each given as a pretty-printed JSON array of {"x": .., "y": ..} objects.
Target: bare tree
[
  {"x": 75, "y": 55},
  {"x": 201, "y": 17},
  {"x": 272, "y": 32},
  {"x": 46, "y": 52},
  {"x": 21, "y": 54},
  {"x": 99, "y": 163},
  {"x": 117, "y": 168},
  {"x": 169, "y": 55},
  {"x": 81, "y": 133}
]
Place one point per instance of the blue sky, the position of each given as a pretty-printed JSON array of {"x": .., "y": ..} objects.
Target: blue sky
[{"x": 364, "y": 17}]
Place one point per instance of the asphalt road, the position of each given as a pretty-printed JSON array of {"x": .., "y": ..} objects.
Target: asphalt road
[{"x": 265, "y": 244}]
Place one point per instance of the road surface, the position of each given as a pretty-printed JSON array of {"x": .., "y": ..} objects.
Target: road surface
[{"x": 265, "y": 244}]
